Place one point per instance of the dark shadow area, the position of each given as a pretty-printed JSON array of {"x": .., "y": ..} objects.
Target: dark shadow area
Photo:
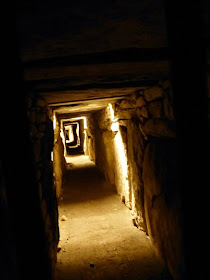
[{"x": 75, "y": 151}]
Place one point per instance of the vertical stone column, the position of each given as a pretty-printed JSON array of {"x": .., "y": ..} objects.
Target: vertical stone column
[{"x": 59, "y": 163}]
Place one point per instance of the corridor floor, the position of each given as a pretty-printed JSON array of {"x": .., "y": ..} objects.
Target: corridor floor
[{"x": 97, "y": 237}]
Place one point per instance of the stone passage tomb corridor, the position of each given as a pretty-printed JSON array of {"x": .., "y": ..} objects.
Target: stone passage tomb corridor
[
  {"x": 97, "y": 236},
  {"x": 106, "y": 108}
]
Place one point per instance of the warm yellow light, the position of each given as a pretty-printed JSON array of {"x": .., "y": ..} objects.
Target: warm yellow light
[
  {"x": 77, "y": 130},
  {"x": 71, "y": 134},
  {"x": 79, "y": 118},
  {"x": 121, "y": 175},
  {"x": 111, "y": 111},
  {"x": 121, "y": 160},
  {"x": 115, "y": 126},
  {"x": 85, "y": 122},
  {"x": 63, "y": 140},
  {"x": 54, "y": 121}
]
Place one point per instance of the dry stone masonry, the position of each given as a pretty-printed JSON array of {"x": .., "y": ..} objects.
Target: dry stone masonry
[
  {"x": 42, "y": 137},
  {"x": 140, "y": 159}
]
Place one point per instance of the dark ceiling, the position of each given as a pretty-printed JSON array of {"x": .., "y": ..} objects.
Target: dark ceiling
[
  {"x": 78, "y": 50},
  {"x": 79, "y": 27}
]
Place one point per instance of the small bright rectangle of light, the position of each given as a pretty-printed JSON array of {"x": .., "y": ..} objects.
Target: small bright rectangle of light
[{"x": 115, "y": 126}]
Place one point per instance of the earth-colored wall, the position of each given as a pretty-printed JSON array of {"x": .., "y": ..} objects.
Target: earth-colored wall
[
  {"x": 140, "y": 159},
  {"x": 42, "y": 138},
  {"x": 90, "y": 138},
  {"x": 163, "y": 202},
  {"x": 59, "y": 163}
]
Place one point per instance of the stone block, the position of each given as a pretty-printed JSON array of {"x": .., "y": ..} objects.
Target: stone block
[
  {"x": 135, "y": 143},
  {"x": 134, "y": 96},
  {"x": 158, "y": 128},
  {"x": 162, "y": 202},
  {"x": 127, "y": 104},
  {"x": 155, "y": 108},
  {"x": 140, "y": 102},
  {"x": 142, "y": 112},
  {"x": 153, "y": 93},
  {"x": 126, "y": 114},
  {"x": 103, "y": 125}
]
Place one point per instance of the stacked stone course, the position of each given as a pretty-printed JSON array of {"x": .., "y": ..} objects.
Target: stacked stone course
[
  {"x": 42, "y": 137},
  {"x": 149, "y": 142}
]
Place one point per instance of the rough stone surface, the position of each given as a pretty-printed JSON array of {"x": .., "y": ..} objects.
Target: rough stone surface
[
  {"x": 158, "y": 128},
  {"x": 162, "y": 202},
  {"x": 140, "y": 102},
  {"x": 111, "y": 153},
  {"x": 142, "y": 112},
  {"x": 127, "y": 104},
  {"x": 147, "y": 181},
  {"x": 41, "y": 134},
  {"x": 58, "y": 160},
  {"x": 90, "y": 140},
  {"x": 155, "y": 108},
  {"x": 153, "y": 93},
  {"x": 126, "y": 114},
  {"x": 135, "y": 161}
]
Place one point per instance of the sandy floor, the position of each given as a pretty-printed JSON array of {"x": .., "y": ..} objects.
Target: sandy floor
[{"x": 98, "y": 239}]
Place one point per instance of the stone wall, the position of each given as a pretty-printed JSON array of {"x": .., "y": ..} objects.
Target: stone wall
[
  {"x": 162, "y": 201},
  {"x": 81, "y": 134},
  {"x": 41, "y": 134},
  {"x": 59, "y": 162},
  {"x": 90, "y": 138},
  {"x": 135, "y": 147}
]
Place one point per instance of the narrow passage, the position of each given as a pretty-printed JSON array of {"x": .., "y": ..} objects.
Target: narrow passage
[{"x": 97, "y": 237}]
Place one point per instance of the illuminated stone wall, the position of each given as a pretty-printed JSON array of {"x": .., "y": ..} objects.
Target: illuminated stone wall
[
  {"x": 41, "y": 134},
  {"x": 90, "y": 139},
  {"x": 135, "y": 147},
  {"x": 59, "y": 163},
  {"x": 82, "y": 134}
]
